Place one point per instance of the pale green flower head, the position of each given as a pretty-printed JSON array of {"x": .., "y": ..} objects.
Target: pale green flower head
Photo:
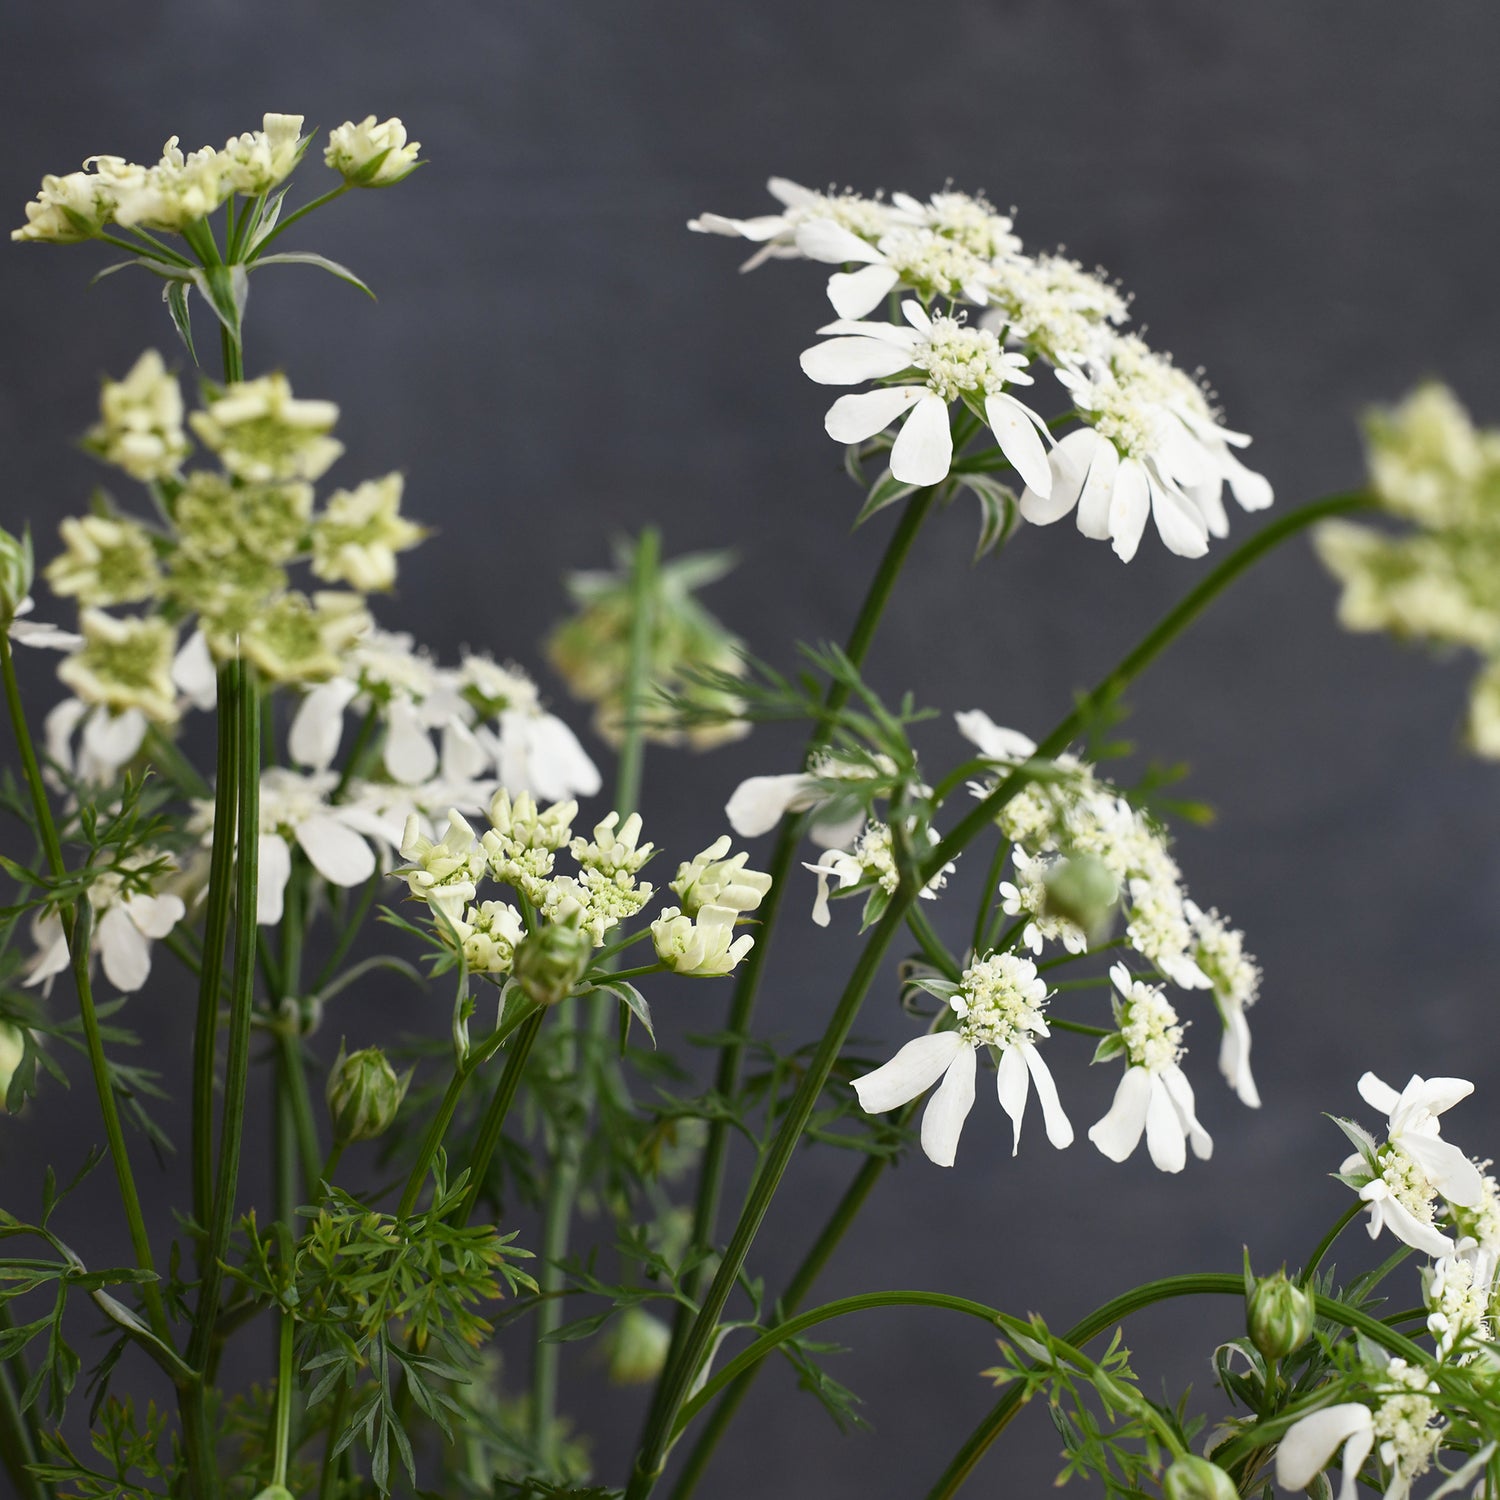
[
  {"x": 124, "y": 664},
  {"x": 489, "y": 933},
  {"x": 227, "y": 592},
  {"x": 1426, "y": 456},
  {"x": 711, "y": 879},
  {"x": 703, "y": 946},
  {"x": 140, "y": 421},
  {"x": 178, "y": 191},
  {"x": 216, "y": 517},
  {"x": 261, "y": 432},
  {"x": 371, "y": 154},
  {"x": 17, "y": 569},
  {"x": 77, "y": 205},
  {"x": 1483, "y": 727},
  {"x": 297, "y": 639},
  {"x": 107, "y": 560},
  {"x": 260, "y": 160},
  {"x": 359, "y": 533}
]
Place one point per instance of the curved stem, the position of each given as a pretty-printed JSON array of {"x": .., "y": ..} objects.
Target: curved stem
[{"x": 1325, "y": 1244}]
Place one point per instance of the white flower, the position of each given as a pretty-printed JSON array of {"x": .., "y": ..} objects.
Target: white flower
[
  {"x": 759, "y": 803},
  {"x": 1412, "y": 1127},
  {"x": 967, "y": 220},
  {"x": 176, "y": 192},
  {"x": 703, "y": 946},
  {"x": 949, "y": 361},
  {"x": 711, "y": 879},
  {"x": 258, "y": 160},
  {"x": 930, "y": 264},
  {"x": 872, "y": 861},
  {"x": 77, "y": 205},
  {"x": 998, "y": 1003},
  {"x": 371, "y": 155},
  {"x": 1005, "y": 746},
  {"x": 1219, "y": 952},
  {"x": 35, "y": 633},
  {"x": 1310, "y": 1443},
  {"x": 1154, "y": 1096},
  {"x": 128, "y": 916},
  {"x": 776, "y": 234},
  {"x": 1054, "y": 305},
  {"x": 489, "y": 934},
  {"x": 1456, "y": 1290},
  {"x": 445, "y": 873}
]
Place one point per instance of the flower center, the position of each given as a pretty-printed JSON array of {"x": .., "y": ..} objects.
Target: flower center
[{"x": 1001, "y": 1001}]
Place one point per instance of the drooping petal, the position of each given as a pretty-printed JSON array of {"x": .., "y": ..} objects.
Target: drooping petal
[
  {"x": 757, "y": 805},
  {"x": 1096, "y": 499},
  {"x": 1020, "y": 442},
  {"x": 943, "y": 1119},
  {"x": 410, "y": 756},
  {"x": 1234, "y": 1056},
  {"x": 155, "y": 916},
  {"x": 923, "y": 450},
  {"x": 1388, "y": 1212},
  {"x": 193, "y": 673},
  {"x": 275, "y": 870},
  {"x": 1059, "y": 1126},
  {"x": 852, "y": 359},
  {"x": 1209, "y": 498},
  {"x": 910, "y": 1073},
  {"x": 541, "y": 755},
  {"x": 1252, "y": 490},
  {"x": 51, "y": 957},
  {"x": 1013, "y": 1084},
  {"x": 1068, "y": 465},
  {"x": 58, "y": 729},
  {"x": 124, "y": 951},
  {"x": 1310, "y": 1443},
  {"x": 109, "y": 740},
  {"x": 318, "y": 725},
  {"x": 856, "y": 293},
  {"x": 37, "y": 633},
  {"x": 1451, "y": 1172},
  {"x": 852, "y": 419},
  {"x": 1128, "y": 508},
  {"x": 1179, "y": 522},
  {"x": 1166, "y": 1139},
  {"x": 463, "y": 757},
  {"x": 337, "y": 852},
  {"x": 1119, "y": 1132},
  {"x": 837, "y": 835},
  {"x": 993, "y": 741},
  {"x": 822, "y": 239},
  {"x": 1180, "y": 1091}
]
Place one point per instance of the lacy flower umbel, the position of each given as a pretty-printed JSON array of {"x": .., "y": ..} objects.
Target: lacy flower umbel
[{"x": 518, "y": 1170}]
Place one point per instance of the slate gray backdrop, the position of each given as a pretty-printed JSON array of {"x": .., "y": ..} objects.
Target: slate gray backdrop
[{"x": 1301, "y": 197}]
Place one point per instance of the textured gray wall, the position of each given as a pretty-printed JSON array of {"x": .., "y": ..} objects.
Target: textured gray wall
[{"x": 1300, "y": 195}]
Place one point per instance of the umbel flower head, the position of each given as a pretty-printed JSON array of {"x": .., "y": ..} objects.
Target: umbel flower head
[{"x": 372, "y": 154}]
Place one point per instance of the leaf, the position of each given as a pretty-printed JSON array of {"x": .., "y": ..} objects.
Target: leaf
[
  {"x": 582, "y": 1329},
  {"x": 886, "y": 490},
  {"x": 174, "y": 294},
  {"x": 997, "y": 512},
  {"x": 1112, "y": 1046},
  {"x": 633, "y": 1001},
  {"x": 307, "y": 258},
  {"x": 225, "y": 289}
]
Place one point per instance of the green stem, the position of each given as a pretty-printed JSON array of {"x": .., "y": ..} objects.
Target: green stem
[
  {"x": 686, "y": 1359},
  {"x": 292, "y": 218},
  {"x": 18, "y": 1432},
  {"x": 241, "y": 998},
  {"x": 585, "y": 1060},
  {"x": 284, "y": 1384},
  {"x": 46, "y": 828},
  {"x": 215, "y": 942},
  {"x": 304, "y": 1123},
  {"x": 328, "y": 1475},
  {"x": 988, "y": 894},
  {"x": 1325, "y": 1244},
  {"x": 493, "y": 1123}
]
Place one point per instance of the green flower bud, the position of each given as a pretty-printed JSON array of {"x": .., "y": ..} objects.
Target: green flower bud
[
  {"x": 275, "y": 1492},
  {"x": 1192, "y": 1478},
  {"x": 551, "y": 960},
  {"x": 364, "y": 1094},
  {"x": 637, "y": 1347},
  {"x": 1082, "y": 889},
  {"x": 1280, "y": 1315},
  {"x": 12, "y": 1050},
  {"x": 17, "y": 568}
]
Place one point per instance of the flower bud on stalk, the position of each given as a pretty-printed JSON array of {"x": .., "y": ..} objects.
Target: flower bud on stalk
[
  {"x": 1193, "y": 1478},
  {"x": 364, "y": 1094},
  {"x": 551, "y": 960},
  {"x": 638, "y": 1347},
  {"x": 1280, "y": 1315},
  {"x": 1083, "y": 889},
  {"x": 12, "y": 1050},
  {"x": 17, "y": 569}
]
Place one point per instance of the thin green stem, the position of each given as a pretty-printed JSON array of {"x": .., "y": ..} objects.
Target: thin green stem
[
  {"x": 18, "y": 1429},
  {"x": 241, "y": 1006},
  {"x": 982, "y": 919},
  {"x": 643, "y": 585},
  {"x": 328, "y": 1474},
  {"x": 1325, "y": 1244},
  {"x": 304, "y": 1122},
  {"x": 284, "y": 1383},
  {"x": 292, "y": 218},
  {"x": 46, "y": 827},
  {"x": 493, "y": 1123}
]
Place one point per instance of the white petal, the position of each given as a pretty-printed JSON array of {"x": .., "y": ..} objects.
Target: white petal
[
  {"x": 275, "y": 871},
  {"x": 155, "y": 916},
  {"x": 1119, "y": 1132},
  {"x": 1166, "y": 1139},
  {"x": 837, "y": 835},
  {"x": 910, "y": 1073},
  {"x": 337, "y": 852},
  {"x": 793, "y": 194},
  {"x": 1310, "y": 1442},
  {"x": 1180, "y": 1091},
  {"x": 993, "y": 741},
  {"x": 852, "y": 359},
  {"x": 1378, "y": 1094},
  {"x": 318, "y": 726},
  {"x": 1068, "y": 464},
  {"x": 1410, "y": 1230},
  {"x": 822, "y": 239},
  {"x": 923, "y": 451},
  {"x": 1437, "y": 1095},
  {"x": 58, "y": 728},
  {"x": 51, "y": 957},
  {"x": 756, "y": 806},
  {"x": 1234, "y": 1057},
  {"x": 943, "y": 1119},
  {"x": 1098, "y": 489},
  {"x": 463, "y": 758},
  {"x": 36, "y": 634},
  {"x": 855, "y": 293},
  {"x": 852, "y": 419},
  {"x": 193, "y": 672},
  {"x": 125, "y": 953},
  {"x": 1179, "y": 522},
  {"x": 1020, "y": 442},
  {"x": 541, "y": 755},
  {"x": 1452, "y": 1173},
  {"x": 410, "y": 756},
  {"x": 1013, "y": 1083},
  {"x": 1059, "y": 1127},
  {"x": 111, "y": 739},
  {"x": 1252, "y": 490},
  {"x": 1128, "y": 508}
]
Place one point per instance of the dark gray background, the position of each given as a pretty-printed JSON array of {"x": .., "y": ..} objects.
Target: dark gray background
[{"x": 1301, "y": 197}]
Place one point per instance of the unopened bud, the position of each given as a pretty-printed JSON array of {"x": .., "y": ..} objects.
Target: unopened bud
[
  {"x": 12, "y": 1050},
  {"x": 364, "y": 1094},
  {"x": 1083, "y": 889},
  {"x": 1280, "y": 1315},
  {"x": 1193, "y": 1478},
  {"x": 551, "y": 960},
  {"x": 638, "y": 1347},
  {"x": 275, "y": 1492},
  {"x": 17, "y": 568}
]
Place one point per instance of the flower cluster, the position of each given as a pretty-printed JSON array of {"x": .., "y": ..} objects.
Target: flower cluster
[
  {"x": 1151, "y": 442},
  {"x": 175, "y": 193},
  {"x": 1440, "y": 581}
]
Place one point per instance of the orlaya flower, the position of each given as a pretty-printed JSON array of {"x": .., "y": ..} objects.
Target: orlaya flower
[
  {"x": 933, "y": 265},
  {"x": 998, "y": 1003},
  {"x": 948, "y": 360},
  {"x": 1154, "y": 1096},
  {"x": 776, "y": 234},
  {"x": 1310, "y": 1443},
  {"x": 1413, "y": 1126}
]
